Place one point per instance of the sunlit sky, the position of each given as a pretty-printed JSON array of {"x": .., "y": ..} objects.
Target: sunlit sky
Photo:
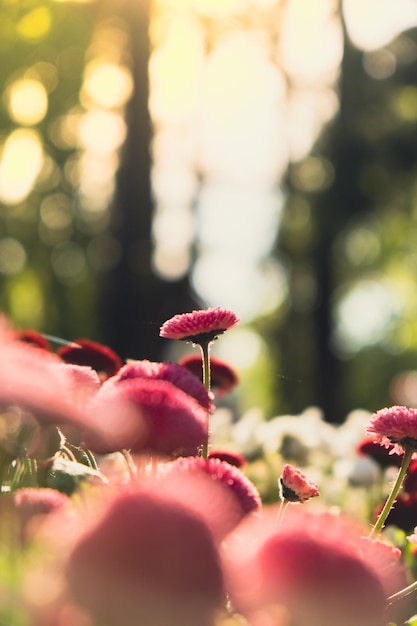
[{"x": 228, "y": 115}]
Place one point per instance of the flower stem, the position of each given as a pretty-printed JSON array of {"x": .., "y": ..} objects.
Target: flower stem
[
  {"x": 403, "y": 593},
  {"x": 281, "y": 512},
  {"x": 408, "y": 453},
  {"x": 205, "y": 353}
]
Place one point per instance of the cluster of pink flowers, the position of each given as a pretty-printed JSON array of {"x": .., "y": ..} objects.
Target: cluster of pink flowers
[{"x": 108, "y": 478}]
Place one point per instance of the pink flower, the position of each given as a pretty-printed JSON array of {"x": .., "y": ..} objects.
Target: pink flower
[
  {"x": 86, "y": 352},
  {"x": 172, "y": 372},
  {"x": 147, "y": 560},
  {"x": 224, "y": 378},
  {"x": 199, "y": 326},
  {"x": 394, "y": 425},
  {"x": 226, "y": 494},
  {"x": 311, "y": 570},
  {"x": 35, "y": 380},
  {"x": 170, "y": 422},
  {"x": 295, "y": 486},
  {"x": 38, "y": 500},
  {"x": 385, "y": 560},
  {"x": 32, "y": 504}
]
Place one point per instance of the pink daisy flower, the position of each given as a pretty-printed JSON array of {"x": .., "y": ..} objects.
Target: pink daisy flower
[
  {"x": 33, "y": 504},
  {"x": 170, "y": 422},
  {"x": 173, "y": 373},
  {"x": 147, "y": 560},
  {"x": 224, "y": 378},
  {"x": 218, "y": 491},
  {"x": 199, "y": 326},
  {"x": 295, "y": 486},
  {"x": 394, "y": 426},
  {"x": 310, "y": 571}
]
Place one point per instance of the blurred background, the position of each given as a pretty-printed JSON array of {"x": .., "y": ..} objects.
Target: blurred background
[{"x": 260, "y": 155}]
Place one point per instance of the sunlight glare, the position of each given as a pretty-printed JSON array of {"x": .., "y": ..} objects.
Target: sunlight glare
[
  {"x": 235, "y": 282},
  {"x": 20, "y": 164},
  {"x": 364, "y": 314},
  {"x": 101, "y": 132},
  {"x": 241, "y": 348},
  {"x": 27, "y": 101},
  {"x": 107, "y": 85},
  {"x": 311, "y": 44},
  {"x": 175, "y": 71},
  {"x": 242, "y": 129},
  {"x": 372, "y": 24}
]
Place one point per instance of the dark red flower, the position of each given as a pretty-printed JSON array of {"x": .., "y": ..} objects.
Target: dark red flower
[
  {"x": 86, "y": 352},
  {"x": 410, "y": 481},
  {"x": 234, "y": 458},
  {"x": 383, "y": 455},
  {"x": 199, "y": 326},
  {"x": 172, "y": 372},
  {"x": 148, "y": 561},
  {"x": 32, "y": 337},
  {"x": 403, "y": 513},
  {"x": 224, "y": 378}
]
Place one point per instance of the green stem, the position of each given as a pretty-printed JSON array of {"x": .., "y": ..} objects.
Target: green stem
[
  {"x": 403, "y": 593},
  {"x": 281, "y": 512},
  {"x": 131, "y": 467},
  {"x": 408, "y": 453},
  {"x": 205, "y": 353}
]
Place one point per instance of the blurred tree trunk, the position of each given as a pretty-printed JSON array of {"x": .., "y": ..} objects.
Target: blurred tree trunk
[
  {"x": 135, "y": 301},
  {"x": 313, "y": 372}
]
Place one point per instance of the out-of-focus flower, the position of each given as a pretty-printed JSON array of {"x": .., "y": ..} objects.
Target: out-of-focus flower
[
  {"x": 385, "y": 456},
  {"x": 298, "y": 437},
  {"x": 32, "y": 337},
  {"x": 413, "y": 536},
  {"x": 362, "y": 472},
  {"x": 396, "y": 425},
  {"x": 170, "y": 422},
  {"x": 96, "y": 355},
  {"x": 34, "y": 503},
  {"x": 229, "y": 494},
  {"x": 85, "y": 382},
  {"x": 172, "y": 372},
  {"x": 403, "y": 513},
  {"x": 34, "y": 384},
  {"x": 294, "y": 485},
  {"x": 385, "y": 560},
  {"x": 147, "y": 560},
  {"x": 233, "y": 458},
  {"x": 199, "y": 327},
  {"x": 310, "y": 570},
  {"x": 31, "y": 501},
  {"x": 37, "y": 394},
  {"x": 224, "y": 377},
  {"x": 410, "y": 481}
]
